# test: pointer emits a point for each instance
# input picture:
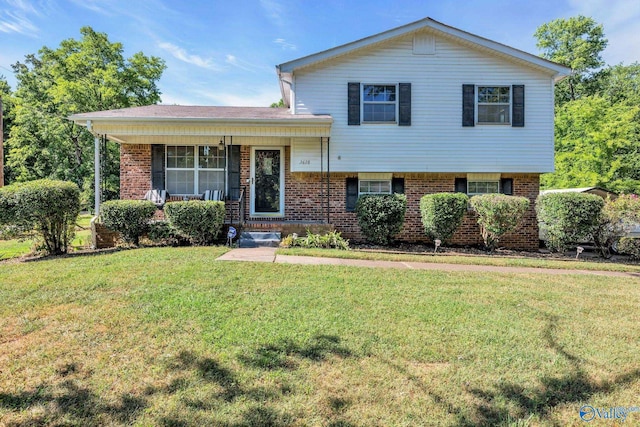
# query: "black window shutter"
(397, 185)
(468, 105)
(352, 194)
(506, 186)
(461, 185)
(517, 106)
(157, 167)
(353, 100)
(234, 172)
(404, 108)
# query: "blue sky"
(224, 52)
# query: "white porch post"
(96, 161)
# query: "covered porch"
(243, 154)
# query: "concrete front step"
(255, 239)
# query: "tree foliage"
(89, 74)
(577, 43)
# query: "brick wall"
(305, 200)
(135, 170)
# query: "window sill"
(492, 124)
(378, 123)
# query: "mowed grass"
(169, 336)
(494, 260)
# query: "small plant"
(332, 239)
(498, 214)
(128, 217)
(629, 246)
(442, 214)
(567, 218)
(381, 216)
(47, 207)
(200, 221)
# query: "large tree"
(577, 43)
(89, 74)
(597, 144)
(7, 104)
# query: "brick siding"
(305, 198)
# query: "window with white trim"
(374, 186)
(379, 103)
(194, 169)
(494, 104)
(482, 187)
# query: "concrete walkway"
(269, 255)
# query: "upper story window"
(494, 104)
(379, 103)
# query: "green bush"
(332, 239)
(618, 217)
(567, 218)
(200, 221)
(128, 217)
(629, 246)
(380, 216)
(498, 214)
(163, 233)
(48, 207)
(442, 214)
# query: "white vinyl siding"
(436, 141)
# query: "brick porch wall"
(135, 170)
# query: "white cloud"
(184, 56)
(244, 65)
(275, 11)
(15, 18)
(620, 21)
(285, 45)
(97, 6)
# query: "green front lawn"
(169, 336)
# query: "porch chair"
(214, 195)
(159, 197)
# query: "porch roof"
(129, 124)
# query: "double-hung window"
(494, 104)
(194, 169)
(379, 103)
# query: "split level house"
(418, 109)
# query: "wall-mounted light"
(221, 145)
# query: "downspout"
(321, 167)
(328, 182)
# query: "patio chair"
(159, 197)
(214, 195)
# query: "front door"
(267, 182)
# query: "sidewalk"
(269, 255)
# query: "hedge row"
(198, 221)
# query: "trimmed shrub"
(128, 217)
(380, 216)
(617, 218)
(200, 221)
(567, 218)
(498, 214)
(442, 214)
(163, 233)
(48, 207)
(629, 246)
(332, 239)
